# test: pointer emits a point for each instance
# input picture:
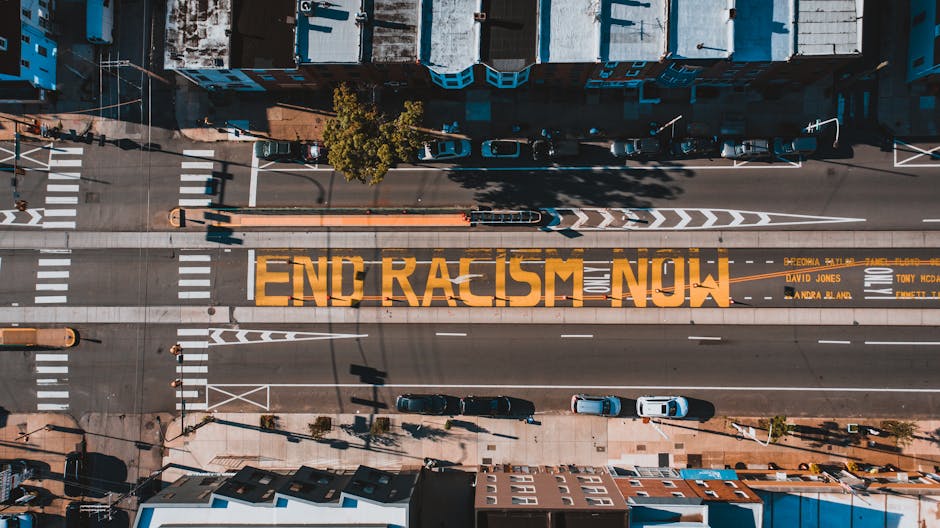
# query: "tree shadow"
(424, 432)
(468, 426)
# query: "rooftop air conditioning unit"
(479, 17)
(306, 7)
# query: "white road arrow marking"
(738, 218)
(608, 218)
(240, 337)
(10, 216)
(582, 218)
(764, 219)
(660, 218)
(710, 216)
(685, 219)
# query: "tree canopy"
(363, 143)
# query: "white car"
(748, 149)
(595, 405)
(662, 407)
(444, 150)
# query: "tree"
(363, 143)
(903, 432)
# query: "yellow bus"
(63, 337)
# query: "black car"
(427, 404)
(73, 476)
(279, 151)
(695, 147)
(485, 406)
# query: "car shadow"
(700, 410)
(627, 408)
(520, 408)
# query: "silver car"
(595, 405)
(662, 407)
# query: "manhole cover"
(641, 447)
(92, 197)
(211, 311)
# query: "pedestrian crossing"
(193, 370)
(195, 272)
(197, 184)
(52, 392)
(52, 276)
(63, 188)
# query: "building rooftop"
(701, 29)
(509, 35)
(829, 27)
(10, 29)
(392, 35)
(197, 34)
(633, 31)
(450, 36)
(381, 486)
(314, 485)
(569, 30)
(251, 485)
(763, 30)
(329, 33)
(263, 35)
(189, 489)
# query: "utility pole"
(813, 127)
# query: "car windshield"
(605, 407)
(672, 408)
(502, 147)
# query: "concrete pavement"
(234, 440)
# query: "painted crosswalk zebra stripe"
(52, 274)
(61, 200)
(196, 178)
(206, 189)
(194, 295)
(192, 331)
(52, 357)
(199, 153)
(193, 406)
(195, 357)
(52, 187)
(55, 262)
(193, 344)
(52, 407)
(52, 287)
(60, 212)
(191, 283)
(58, 225)
(65, 162)
(191, 369)
(52, 394)
(195, 258)
(197, 164)
(194, 202)
(41, 369)
(65, 176)
(50, 299)
(66, 150)
(191, 270)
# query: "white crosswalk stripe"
(69, 159)
(192, 175)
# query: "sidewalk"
(236, 440)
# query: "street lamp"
(813, 127)
(750, 432)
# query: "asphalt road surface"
(829, 371)
(104, 187)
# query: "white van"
(99, 21)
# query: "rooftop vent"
(479, 17)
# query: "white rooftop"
(359, 512)
(330, 34)
(829, 27)
(569, 30)
(701, 29)
(450, 37)
(197, 37)
(633, 31)
(763, 30)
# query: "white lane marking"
(60, 212)
(61, 188)
(199, 153)
(52, 394)
(65, 163)
(196, 178)
(58, 225)
(450, 334)
(61, 200)
(253, 185)
(195, 381)
(768, 262)
(47, 381)
(748, 261)
(192, 331)
(931, 220)
(748, 298)
(55, 262)
(768, 298)
(191, 202)
(52, 370)
(193, 406)
(577, 336)
(67, 150)
(191, 369)
(56, 251)
(52, 407)
(195, 357)
(829, 342)
(52, 274)
(193, 295)
(187, 394)
(52, 357)
(587, 388)
(197, 164)
(188, 270)
(205, 189)
(194, 282)
(251, 275)
(904, 343)
(193, 344)
(50, 299)
(65, 176)
(194, 258)
(704, 338)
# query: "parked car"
(74, 475)
(314, 152)
(75, 517)
(485, 406)
(552, 149)
(662, 407)
(501, 148)
(444, 150)
(800, 146)
(695, 147)
(279, 150)
(427, 404)
(747, 149)
(635, 148)
(595, 405)
(18, 520)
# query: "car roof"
(589, 405)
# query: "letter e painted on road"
(263, 276)
(303, 269)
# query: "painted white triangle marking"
(581, 218)
(738, 218)
(710, 217)
(608, 218)
(267, 336)
(242, 336)
(685, 218)
(660, 218)
(217, 336)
